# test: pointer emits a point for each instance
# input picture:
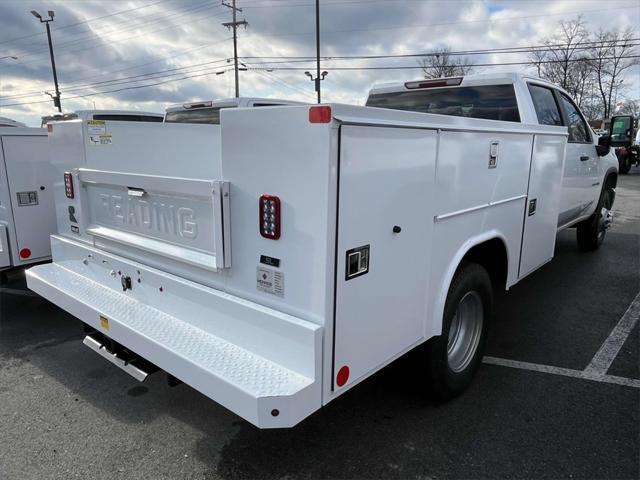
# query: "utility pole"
(234, 25)
(318, 79)
(56, 97)
(319, 76)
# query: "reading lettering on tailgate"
(162, 216)
(178, 218)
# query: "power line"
(135, 87)
(129, 79)
(410, 67)
(486, 51)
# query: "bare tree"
(628, 107)
(442, 64)
(564, 59)
(613, 53)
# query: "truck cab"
(513, 97)
(209, 111)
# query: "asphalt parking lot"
(558, 395)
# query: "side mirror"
(604, 145)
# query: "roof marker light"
(438, 82)
(197, 105)
(320, 114)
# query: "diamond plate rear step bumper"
(260, 389)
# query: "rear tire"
(455, 355)
(590, 233)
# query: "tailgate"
(182, 219)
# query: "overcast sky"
(103, 46)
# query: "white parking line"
(599, 366)
(17, 291)
(567, 372)
(603, 359)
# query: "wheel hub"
(465, 331)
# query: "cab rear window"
(198, 115)
(127, 118)
(491, 102)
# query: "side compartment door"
(543, 202)
(385, 225)
(30, 176)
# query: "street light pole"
(318, 79)
(56, 98)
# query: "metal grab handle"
(584, 158)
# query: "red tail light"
(269, 216)
(49, 127)
(438, 82)
(25, 253)
(68, 184)
(320, 114)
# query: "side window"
(578, 131)
(545, 105)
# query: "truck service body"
(323, 243)
(27, 210)
(27, 214)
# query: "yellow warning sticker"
(96, 127)
(100, 139)
(104, 322)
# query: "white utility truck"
(209, 112)
(325, 241)
(27, 213)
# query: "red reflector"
(343, 376)
(320, 114)
(25, 253)
(269, 216)
(49, 127)
(68, 184)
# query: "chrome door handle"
(584, 158)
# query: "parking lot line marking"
(17, 291)
(567, 372)
(607, 353)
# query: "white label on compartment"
(100, 139)
(270, 281)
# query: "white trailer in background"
(27, 212)
(320, 245)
